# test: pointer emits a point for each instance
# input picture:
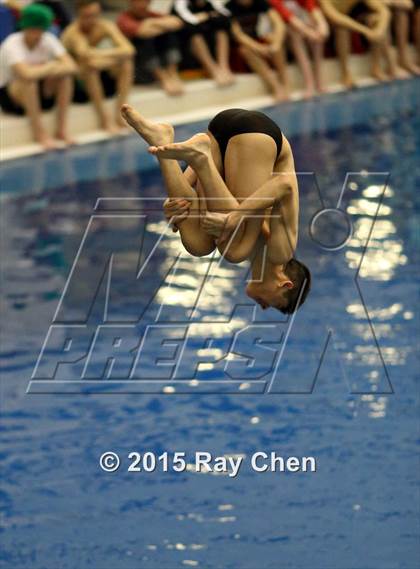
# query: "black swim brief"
(232, 122)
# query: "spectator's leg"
(222, 56)
(298, 46)
(26, 94)
(342, 42)
(318, 63)
(416, 33)
(394, 71)
(62, 88)
(201, 51)
(165, 78)
(125, 78)
(377, 51)
(93, 84)
(260, 66)
(168, 57)
(402, 34)
(172, 70)
(280, 65)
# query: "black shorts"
(232, 122)
(109, 86)
(9, 105)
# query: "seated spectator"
(371, 18)
(401, 11)
(156, 45)
(206, 24)
(105, 58)
(261, 55)
(35, 71)
(307, 27)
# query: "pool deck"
(200, 101)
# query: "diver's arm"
(270, 195)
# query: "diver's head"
(284, 287)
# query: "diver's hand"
(232, 221)
(176, 210)
(213, 223)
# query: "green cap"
(36, 16)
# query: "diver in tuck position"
(239, 193)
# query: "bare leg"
(301, 56)
(63, 98)
(95, 91)
(394, 71)
(280, 65)
(260, 66)
(26, 94)
(318, 60)
(256, 150)
(416, 33)
(172, 71)
(125, 78)
(222, 56)
(376, 56)
(201, 51)
(402, 33)
(166, 81)
(342, 42)
(194, 239)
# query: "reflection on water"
(60, 510)
(385, 252)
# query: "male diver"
(239, 193)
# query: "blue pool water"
(344, 390)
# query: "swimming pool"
(344, 390)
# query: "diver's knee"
(198, 249)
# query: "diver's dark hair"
(300, 275)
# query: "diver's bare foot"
(192, 150)
(155, 134)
